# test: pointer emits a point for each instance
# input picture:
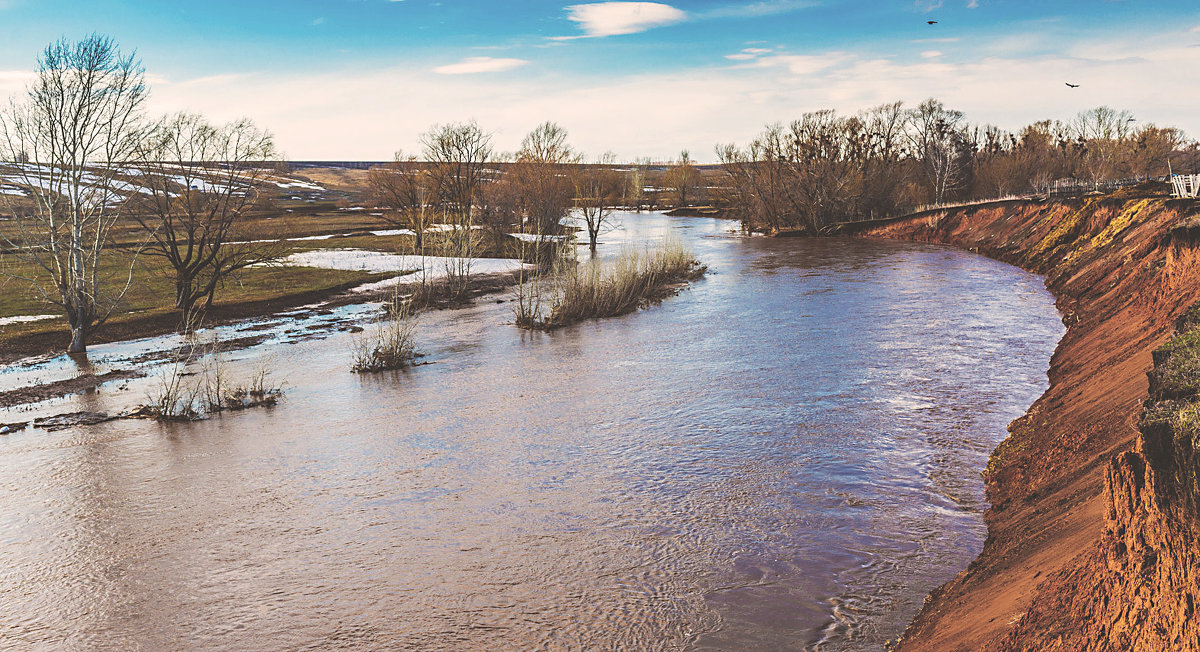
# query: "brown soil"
(1065, 564)
(74, 385)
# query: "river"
(787, 455)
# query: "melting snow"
(21, 319)
(375, 261)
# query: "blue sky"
(358, 79)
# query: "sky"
(361, 79)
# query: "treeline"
(459, 179)
(826, 167)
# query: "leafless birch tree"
(79, 119)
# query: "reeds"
(594, 289)
(188, 396)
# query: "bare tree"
(457, 155)
(634, 192)
(597, 190)
(683, 179)
(939, 141)
(540, 176)
(80, 117)
(402, 189)
(759, 181)
(1102, 137)
(201, 180)
(1152, 146)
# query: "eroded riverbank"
(1123, 270)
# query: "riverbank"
(1123, 269)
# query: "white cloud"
(14, 81)
(927, 6)
(747, 54)
(931, 54)
(474, 65)
(615, 18)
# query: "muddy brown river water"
(785, 456)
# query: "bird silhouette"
(931, 22)
(1072, 85)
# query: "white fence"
(1187, 186)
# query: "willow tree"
(200, 181)
(79, 117)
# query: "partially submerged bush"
(595, 289)
(391, 344)
(188, 396)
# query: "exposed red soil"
(1068, 563)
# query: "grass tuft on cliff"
(1172, 410)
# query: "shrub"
(392, 343)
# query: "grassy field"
(148, 306)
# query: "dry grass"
(391, 344)
(594, 289)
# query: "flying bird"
(1072, 85)
(931, 22)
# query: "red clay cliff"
(1092, 533)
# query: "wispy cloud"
(616, 18)
(795, 64)
(747, 54)
(756, 9)
(474, 65)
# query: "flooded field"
(785, 456)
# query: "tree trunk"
(79, 333)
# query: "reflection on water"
(786, 455)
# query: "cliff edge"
(1092, 532)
